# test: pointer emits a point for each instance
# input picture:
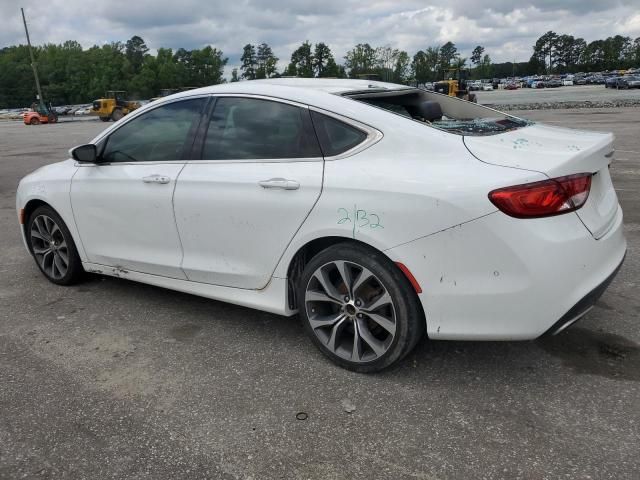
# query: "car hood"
(551, 150)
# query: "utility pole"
(33, 62)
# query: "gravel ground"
(578, 96)
(113, 379)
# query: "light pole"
(33, 62)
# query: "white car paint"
(418, 194)
(103, 199)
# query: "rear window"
(444, 112)
(336, 137)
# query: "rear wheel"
(358, 308)
(105, 119)
(34, 121)
(52, 247)
(117, 114)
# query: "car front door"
(239, 206)
(123, 204)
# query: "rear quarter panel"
(414, 182)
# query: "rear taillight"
(545, 198)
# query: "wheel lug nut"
(358, 303)
(346, 299)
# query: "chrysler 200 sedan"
(378, 212)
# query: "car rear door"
(123, 205)
(258, 177)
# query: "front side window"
(251, 128)
(158, 135)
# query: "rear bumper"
(500, 278)
(581, 308)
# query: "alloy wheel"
(49, 247)
(350, 311)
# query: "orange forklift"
(40, 113)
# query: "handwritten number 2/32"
(360, 217)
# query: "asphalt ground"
(113, 379)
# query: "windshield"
(443, 112)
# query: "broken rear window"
(443, 112)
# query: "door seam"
(175, 220)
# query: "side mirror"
(85, 153)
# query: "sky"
(506, 28)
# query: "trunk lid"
(556, 152)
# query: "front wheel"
(52, 247)
(105, 119)
(358, 308)
(34, 121)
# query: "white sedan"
(377, 212)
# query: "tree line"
(554, 53)
(71, 75)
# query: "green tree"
(448, 53)
(426, 64)
(249, 62)
(135, 50)
(546, 48)
(360, 60)
(266, 62)
(324, 64)
(476, 55)
(301, 64)
(401, 69)
(386, 58)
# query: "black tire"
(408, 313)
(117, 114)
(34, 121)
(105, 119)
(74, 271)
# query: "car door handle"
(156, 179)
(281, 183)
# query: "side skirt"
(271, 299)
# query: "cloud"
(506, 29)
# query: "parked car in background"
(487, 87)
(474, 85)
(84, 110)
(62, 110)
(611, 81)
(553, 83)
(627, 82)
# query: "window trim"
(103, 138)
(198, 145)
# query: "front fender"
(51, 185)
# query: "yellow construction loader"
(113, 106)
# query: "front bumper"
(500, 278)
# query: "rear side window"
(250, 128)
(158, 135)
(336, 137)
